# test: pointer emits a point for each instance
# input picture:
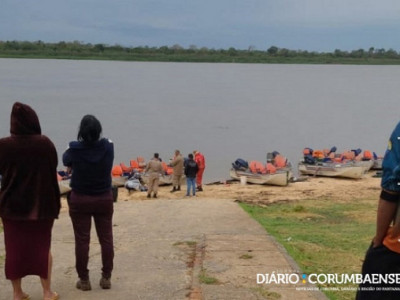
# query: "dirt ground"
(313, 187)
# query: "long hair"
(89, 130)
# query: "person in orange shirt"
(201, 162)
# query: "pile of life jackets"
(275, 161)
(329, 155)
(136, 166)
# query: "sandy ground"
(151, 235)
(313, 187)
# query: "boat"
(64, 186)
(377, 165)
(281, 177)
(332, 169)
(118, 181)
(365, 164)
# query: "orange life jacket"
(116, 171)
(125, 169)
(270, 168)
(134, 164)
(318, 154)
(167, 170)
(349, 155)
(279, 161)
(367, 155)
(141, 162)
(257, 167)
(359, 157)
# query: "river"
(226, 111)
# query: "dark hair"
(156, 155)
(190, 155)
(89, 130)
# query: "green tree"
(272, 50)
(232, 51)
(99, 47)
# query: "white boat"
(331, 169)
(164, 179)
(64, 186)
(377, 164)
(118, 180)
(365, 164)
(281, 177)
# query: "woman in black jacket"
(90, 159)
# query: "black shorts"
(380, 260)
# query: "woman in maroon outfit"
(29, 200)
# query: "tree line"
(80, 50)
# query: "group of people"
(30, 199)
(30, 202)
(192, 167)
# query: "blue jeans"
(191, 183)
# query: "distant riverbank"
(200, 58)
(176, 53)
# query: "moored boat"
(332, 169)
(164, 179)
(377, 165)
(64, 186)
(280, 178)
(118, 180)
(365, 164)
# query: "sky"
(312, 25)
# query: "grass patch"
(187, 243)
(265, 293)
(322, 236)
(206, 279)
(246, 256)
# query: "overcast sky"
(313, 25)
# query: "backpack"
(240, 164)
(309, 159)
